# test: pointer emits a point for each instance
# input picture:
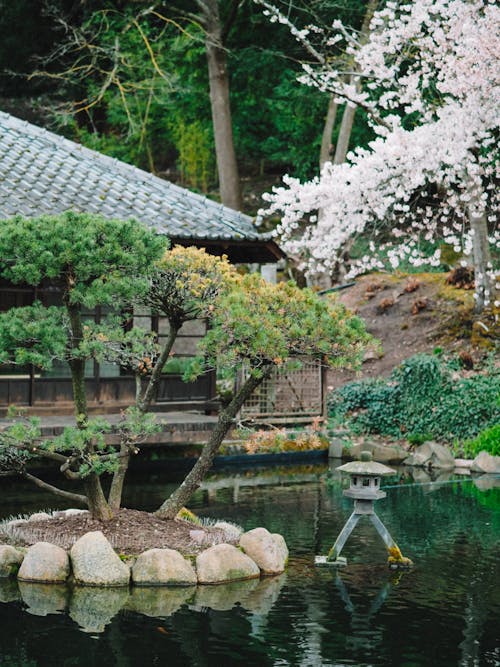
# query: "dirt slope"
(409, 314)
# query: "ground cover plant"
(424, 398)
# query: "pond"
(445, 611)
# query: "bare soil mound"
(129, 532)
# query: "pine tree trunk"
(143, 402)
(97, 504)
(118, 481)
(227, 167)
(192, 481)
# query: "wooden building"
(44, 173)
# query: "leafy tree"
(185, 286)
(256, 327)
(431, 91)
(93, 261)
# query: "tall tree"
(257, 327)
(432, 82)
(94, 261)
(215, 39)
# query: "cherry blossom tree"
(429, 80)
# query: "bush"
(488, 441)
(422, 396)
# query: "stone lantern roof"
(366, 467)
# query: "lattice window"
(293, 393)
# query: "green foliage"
(488, 441)
(422, 397)
(196, 164)
(186, 283)
(258, 324)
(33, 335)
(98, 261)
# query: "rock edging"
(91, 561)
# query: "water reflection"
(443, 612)
(92, 609)
(44, 599)
(159, 601)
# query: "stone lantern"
(365, 490)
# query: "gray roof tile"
(42, 172)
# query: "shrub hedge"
(424, 395)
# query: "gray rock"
(270, 553)
(485, 462)
(224, 563)
(62, 514)
(163, 567)
(10, 560)
(381, 453)
(39, 516)
(431, 455)
(463, 463)
(95, 563)
(231, 531)
(44, 599)
(159, 601)
(93, 608)
(45, 562)
(335, 448)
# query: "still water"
(445, 611)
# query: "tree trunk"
(349, 112)
(143, 402)
(485, 288)
(227, 167)
(193, 479)
(116, 489)
(325, 153)
(96, 501)
(344, 134)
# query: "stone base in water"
(322, 561)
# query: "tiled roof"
(44, 173)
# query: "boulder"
(431, 455)
(10, 560)
(485, 462)
(163, 567)
(96, 564)
(223, 563)
(231, 531)
(45, 563)
(381, 453)
(268, 551)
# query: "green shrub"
(488, 441)
(422, 397)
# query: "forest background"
(130, 79)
